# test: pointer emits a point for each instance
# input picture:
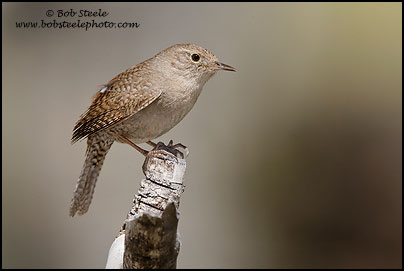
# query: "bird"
(139, 105)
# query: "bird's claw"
(179, 145)
(162, 151)
(173, 149)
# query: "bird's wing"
(114, 103)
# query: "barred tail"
(98, 146)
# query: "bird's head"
(191, 62)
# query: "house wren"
(139, 105)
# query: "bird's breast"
(160, 116)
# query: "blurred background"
(295, 159)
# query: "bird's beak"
(225, 67)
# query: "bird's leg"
(170, 148)
(139, 149)
(162, 146)
(160, 150)
(151, 143)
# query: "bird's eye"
(195, 57)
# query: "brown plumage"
(116, 103)
(98, 146)
(140, 104)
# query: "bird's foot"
(161, 151)
(170, 148)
